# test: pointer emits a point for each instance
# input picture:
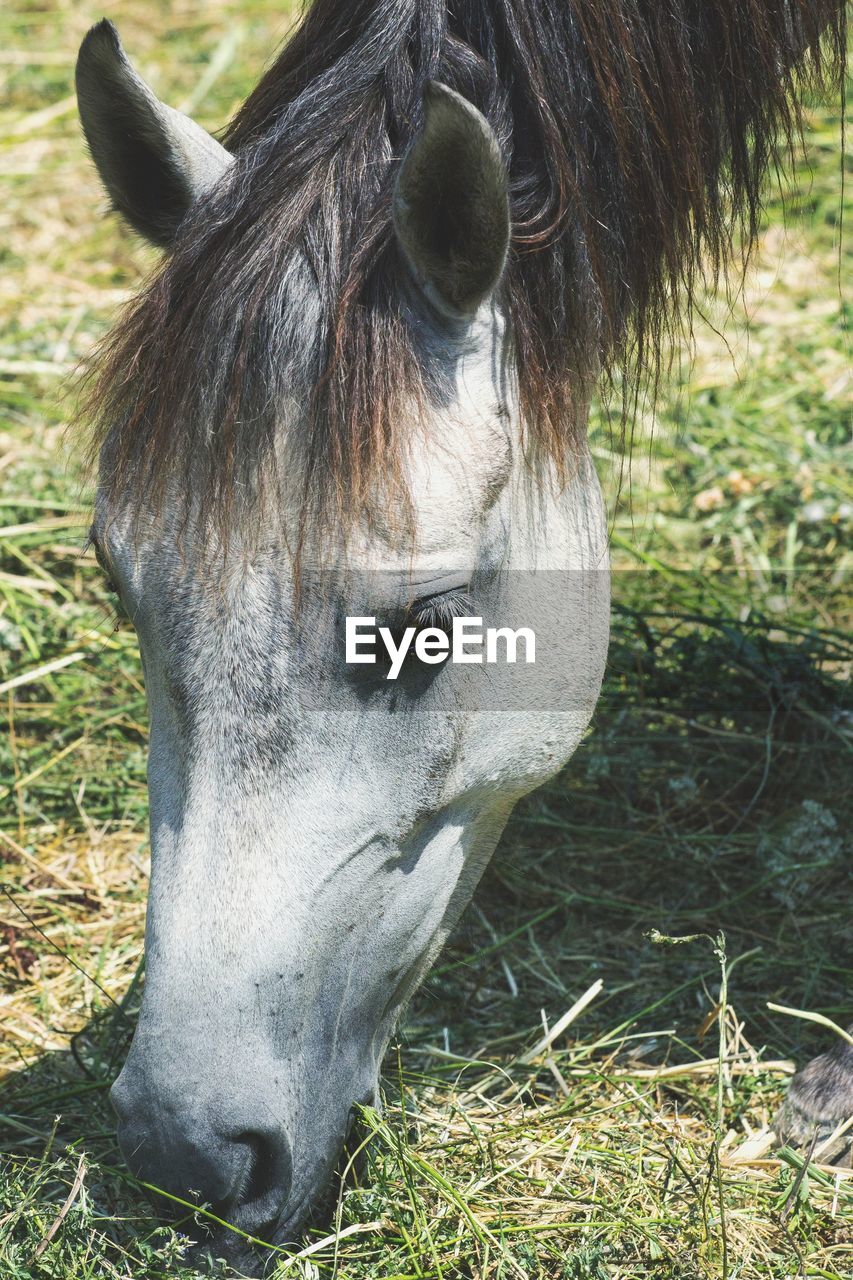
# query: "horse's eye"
(438, 612)
(103, 564)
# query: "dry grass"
(713, 793)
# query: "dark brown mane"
(637, 135)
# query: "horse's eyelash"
(439, 611)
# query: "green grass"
(712, 794)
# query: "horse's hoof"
(819, 1102)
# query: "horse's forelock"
(637, 134)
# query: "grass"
(712, 795)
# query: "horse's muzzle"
(208, 1153)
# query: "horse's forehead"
(457, 472)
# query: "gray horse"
(357, 388)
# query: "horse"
(357, 387)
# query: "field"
(711, 797)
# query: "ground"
(711, 797)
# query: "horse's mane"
(637, 135)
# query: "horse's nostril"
(261, 1168)
(265, 1184)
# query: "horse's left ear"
(154, 161)
(451, 204)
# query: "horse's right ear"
(153, 161)
(451, 204)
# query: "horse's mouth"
(245, 1256)
(250, 1256)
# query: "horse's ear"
(451, 204)
(153, 161)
